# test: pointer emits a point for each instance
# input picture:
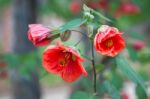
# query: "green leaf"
(140, 93)
(94, 97)
(83, 95)
(132, 53)
(72, 24)
(127, 70)
(99, 67)
(116, 79)
(69, 25)
(138, 2)
(80, 95)
(113, 92)
(12, 60)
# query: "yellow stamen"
(62, 62)
(66, 58)
(73, 57)
(109, 43)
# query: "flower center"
(66, 58)
(109, 43)
(62, 62)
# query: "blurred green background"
(21, 62)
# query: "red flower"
(127, 8)
(64, 61)
(75, 7)
(38, 34)
(108, 41)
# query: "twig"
(90, 32)
(80, 33)
(93, 67)
(78, 42)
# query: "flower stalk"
(90, 32)
(93, 67)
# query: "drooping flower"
(38, 34)
(108, 41)
(64, 61)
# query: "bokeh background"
(21, 73)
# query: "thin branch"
(93, 67)
(78, 41)
(80, 33)
(90, 32)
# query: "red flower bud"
(138, 45)
(64, 61)
(38, 34)
(108, 41)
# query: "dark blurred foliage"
(4, 3)
(59, 7)
(54, 6)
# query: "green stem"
(90, 33)
(93, 67)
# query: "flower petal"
(73, 71)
